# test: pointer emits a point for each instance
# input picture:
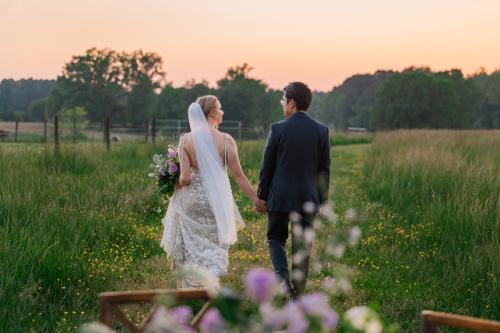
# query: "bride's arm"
(238, 174)
(185, 176)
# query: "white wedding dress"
(190, 235)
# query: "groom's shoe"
(290, 292)
(293, 294)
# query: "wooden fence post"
(147, 131)
(74, 130)
(56, 132)
(153, 131)
(17, 128)
(45, 130)
(107, 133)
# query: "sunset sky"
(321, 42)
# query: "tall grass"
(435, 241)
(341, 139)
(71, 224)
(82, 222)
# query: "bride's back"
(189, 149)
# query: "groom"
(293, 183)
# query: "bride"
(202, 217)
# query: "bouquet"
(165, 171)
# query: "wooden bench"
(110, 302)
(430, 321)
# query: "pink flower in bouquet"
(172, 169)
(171, 153)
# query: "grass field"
(83, 222)
(433, 237)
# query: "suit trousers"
(277, 235)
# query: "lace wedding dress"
(190, 233)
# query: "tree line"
(131, 89)
(414, 98)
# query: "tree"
(351, 103)
(174, 102)
(36, 110)
(419, 98)
(75, 117)
(143, 76)
(54, 103)
(489, 87)
(7, 88)
(96, 81)
(18, 95)
(246, 99)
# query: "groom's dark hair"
(300, 93)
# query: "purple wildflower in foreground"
(274, 318)
(172, 320)
(212, 322)
(313, 303)
(316, 304)
(181, 314)
(297, 322)
(261, 284)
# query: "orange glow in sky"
(321, 42)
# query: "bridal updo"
(207, 103)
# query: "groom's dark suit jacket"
(296, 165)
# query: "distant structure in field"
(356, 130)
(4, 134)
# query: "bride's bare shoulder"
(186, 137)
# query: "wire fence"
(158, 129)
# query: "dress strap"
(181, 148)
(226, 150)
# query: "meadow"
(432, 239)
(83, 221)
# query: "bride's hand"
(177, 185)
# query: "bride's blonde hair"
(207, 103)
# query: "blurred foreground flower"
(261, 285)
(316, 305)
(212, 322)
(94, 328)
(261, 310)
(174, 320)
(199, 277)
(364, 319)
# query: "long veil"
(213, 175)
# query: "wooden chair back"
(430, 321)
(110, 302)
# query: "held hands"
(260, 206)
